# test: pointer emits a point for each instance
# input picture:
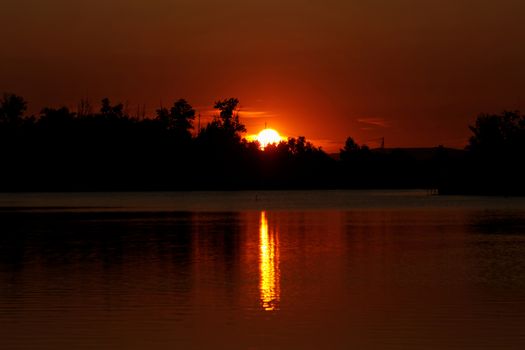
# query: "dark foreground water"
(261, 270)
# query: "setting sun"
(268, 136)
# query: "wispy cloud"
(378, 122)
(246, 113)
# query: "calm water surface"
(261, 270)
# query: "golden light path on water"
(270, 284)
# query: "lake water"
(261, 270)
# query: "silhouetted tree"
(59, 118)
(351, 147)
(229, 120)
(496, 134)
(220, 141)
(163, 117)
(12, 108)
(300, 146)
(178, 119)
(495, 157)
(107, 110)
(182, 115)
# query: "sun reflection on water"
(269, 286)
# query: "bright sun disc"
(268, 136)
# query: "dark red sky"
(416, 72)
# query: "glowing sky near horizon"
(415, 72)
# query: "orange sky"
(416, 72)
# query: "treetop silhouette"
(12, 108)
(229, 115)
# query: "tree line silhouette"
(109, 150)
